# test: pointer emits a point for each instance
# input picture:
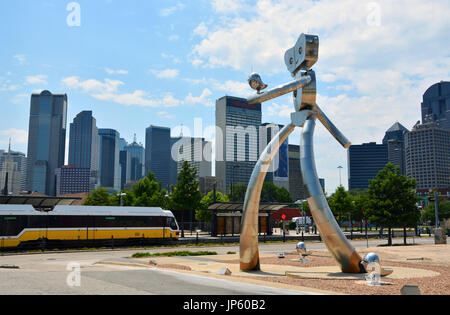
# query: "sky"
(138, 63)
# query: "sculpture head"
(256, 82)
(303, 55)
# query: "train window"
(172, 224)
(12, 226)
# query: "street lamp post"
(340, 177)
(120, 197)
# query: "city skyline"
(169, 62)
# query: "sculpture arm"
(339, 136)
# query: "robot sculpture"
(299, 61)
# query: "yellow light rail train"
(21, 226)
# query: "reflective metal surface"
(256, 82)
(332, 128)
(249, 254)
(301, 249)
(373, 258)
(331, 234)
(299, 61)
(279, 90)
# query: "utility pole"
(340, 178)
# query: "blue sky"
(137, 63)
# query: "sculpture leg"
(249, 254)
(332, 235)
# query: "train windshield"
(172, 223)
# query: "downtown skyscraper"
(46, 141)
(110, 170)
(237, 140)
(158, 154)
(84, 146)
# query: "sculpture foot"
(253, 265)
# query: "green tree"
(428, 213)
(203, 214)
(359, 212)
(148, 193)
(283, 195)
(238, 195)
(98, 197)
(392, 200)
(127, 201)
(186, 195)
(341, 204)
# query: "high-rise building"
(109, 171)
(136, 151)
(158, 154)
(125, 167)
(364, 163)
(173, 168)
(427, 149)
(71, 179)
(10, 175)
(296, 188)
(46, 141)
(395, 141)
(84, 146)
(278, 174)
(436, 104)
(122, 144)
(237, 139)
(21, 161)
(197, 152)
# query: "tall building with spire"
(394, 139)
(137, 153)
(10, 174)
(46, 141)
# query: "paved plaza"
(115, 272)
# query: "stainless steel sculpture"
(301, 250)
(299, 61)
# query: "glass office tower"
(237, 140)
(364, 163)
(46, 141)
(109, 171)
(158, 154)
(436, 104)
(84, 146)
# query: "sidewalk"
(292, 236)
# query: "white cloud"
(174, 59)
(165, 115)
(202, 99)
(171, 10)
(18, 136)
(166, 74)
(21, 59)
(109, 91)
(227, 6)
(92, 85)
(110, 71)
(230, 87)
(36, 79)
(260, 39)
(201, 30)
